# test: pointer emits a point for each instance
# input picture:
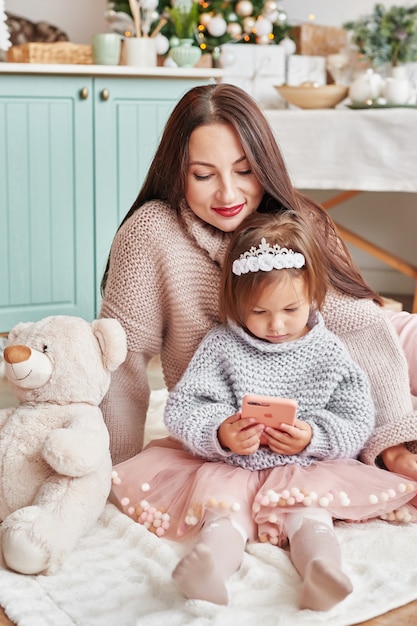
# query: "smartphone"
(269, 410)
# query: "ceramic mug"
(397, 88)
(140, 51)
(106, 48)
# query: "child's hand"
(239, 435)
(289, 439)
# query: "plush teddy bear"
(55, 464)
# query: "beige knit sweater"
(163, 287)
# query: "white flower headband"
(266, 258)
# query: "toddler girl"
(221, 486)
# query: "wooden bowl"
(313, 95)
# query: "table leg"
(376, 251)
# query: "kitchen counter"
(121, 71)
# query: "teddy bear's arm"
(79, 448)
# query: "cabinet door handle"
(105, 94)
(84, 93)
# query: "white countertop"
(109, 70)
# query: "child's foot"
(324, 586)
(197, 578)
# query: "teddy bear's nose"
(16, 354)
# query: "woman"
(217, 162)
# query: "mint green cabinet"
(74, 151)
(46, 199)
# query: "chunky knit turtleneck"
(332, 393)
(163, 287)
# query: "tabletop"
(343, 148)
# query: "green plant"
(185, 16)
(387, 35)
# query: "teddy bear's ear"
(112, 339)
(18, 329)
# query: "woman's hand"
(400, 460)
(289, 439)
(241, 436)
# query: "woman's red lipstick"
(229, 211)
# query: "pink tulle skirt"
(173, 493)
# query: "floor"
(404, 616)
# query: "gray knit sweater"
(163, 287)
(332, 392)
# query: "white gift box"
(303, 67)
(256, 68)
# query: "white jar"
(397, 88)
(366, 87)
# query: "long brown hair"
(287, 229)
(227, 104)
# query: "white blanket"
(120, 575)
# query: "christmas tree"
(246, 21)
(223, 21)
